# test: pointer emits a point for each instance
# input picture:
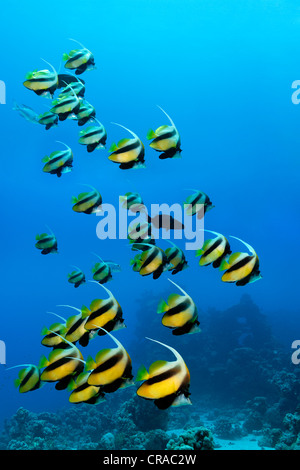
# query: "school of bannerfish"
(166, 383)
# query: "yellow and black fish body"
(82, 392)
(112, 368)
(58, 162)
(214, 251)
(52, 340)
(63, 363)
(94, 137)
(102, 273)
(87, 203)
(199, 198)
(77, 278)
(66, 106)
(48, 120)
(241, 268)
(85, 113)
(47, 243)
(79, 60)
(167, 383)
(29, 379)
(140, 233)
(152, 260)
(103, 314)
(176, 258)
(76, 331)
(43, 82)
(166, 140)
(77, 87)
(180, 313)
(129, 153)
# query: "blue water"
(223, 70)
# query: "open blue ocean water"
(223, 70)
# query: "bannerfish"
(199, 204)
(166, 140)
(87, 203)
(131, 201)
(241, 268)
(129, 153)
(26, 112)
(47, 243)
(79, 60)
(66, 107)
(85, 113)
(62, 364)
(140, 233)
(152, 260)
(59, 162)
(52, 340)
(46, 82)
(94, 137)
(78, 87)
(167, 383)
(82, 392)
(29, 378)
(76, 277)
(103, 313)
(75, 328)
(48, 119)
(102, 272)
(176, 258)
(111, 368)
(180, 313)
(214, 250)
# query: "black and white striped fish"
(129, 153)
(214, 250)
(79, 60)
(241, 268)
(94, 137)
(85, 113)
(48, 120)
(176, 258)
(166, 140)
(166, 383)
(77, 87)
(87, 203)
(76, 277)
(199, 203)
(59, 162)
(66, 107)
(180, 313)
(152, 260)
(47, 243)
(102, 272)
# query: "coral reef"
(193, 439)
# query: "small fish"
(52, 340)
(45, 82)
(176, 258)
(140, 233)
(47, 243)
(180, 313)
(76, 277)
(197, 199)
(82, 392)
(29, 378)
(94, 137)
(166, 140)
(214, 250)
(132, 201)
(87, 203)
(59, 162)
(75, 328)
(79, 60)
(77, 87)
(111, 368)
(62, 364)
(102, 272)
(66, 106)
(48, 120)
(152, 260)
(241, 268)
(167, 383)
(103, 313)
(85, 113)
(26, 112)
(128, 152)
